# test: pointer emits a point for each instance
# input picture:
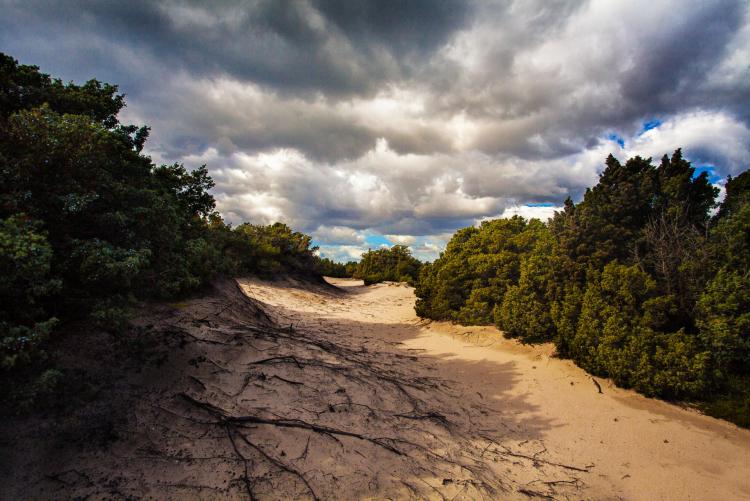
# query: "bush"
(471, 277)
(395, 264)
(329, 268)
(724, 321)
(524, 311)
(25, 259)
(616, 337)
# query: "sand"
(639, 448)
(300, 391)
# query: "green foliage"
(23, 87)
(25, 258)
(605, 225)
(471, 277)
(329, 268)
(723, 308)
(681, 195)
(730, 236)
(733, 403)
(273, 249)
(565, 313)
(524, 311)
(351, 268)
(395, 264)
(616, 336)
(117, 223)
(724, 320)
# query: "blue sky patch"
(617, 138)
(713, 177)
(377, 240)
(544, 204)
(650, 124)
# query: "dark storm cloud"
(410, 27)
(324, 46)
(296, 49)
(669, 70)
(605, 70)
(674, 71)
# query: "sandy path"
(640, 448)
(289, 390)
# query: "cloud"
(407, 119)
(338, 235)
(402, 239)
(298, 46)
(543, 212)
(342, 253)
(706, 138)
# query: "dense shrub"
(616, 336)
(524, 310)
(478, 265)
(329, 268)
(395, 264)
(25, 258)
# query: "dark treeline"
(637, 282)
(330, 268)
(394, 264)
(88, 224)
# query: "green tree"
(617, 337)
(395, 264)
(329, 268)
(724, 321)
(88, 223)
(478, 265)
(25, 259)
(525, 309)
(609, 219)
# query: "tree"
(395, 264)
(330, 268)
(23, 87)
(617, 337)
(724, 321)
(525, 308)
(681, 196)
(88, 224)
(636, 282)
(471, 277)
(25, 259)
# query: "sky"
(367, 123)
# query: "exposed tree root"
(301, 411)
(224, 418)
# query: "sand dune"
(633, 447)
(295, 391)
